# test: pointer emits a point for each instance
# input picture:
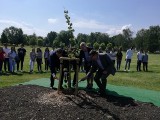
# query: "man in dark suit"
(103, 66)
(55, 64)
(84, 53)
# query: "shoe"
(73, 84)
(90, 86)
(61, 88)
(53, 88)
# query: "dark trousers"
(128, 62)
(52, 80)
(118, 64)
(145, 66)
(39, 64)
(1, 64)
(46, 63)
(6, 62)
(139, 65)
(101, 81)
(20, 62)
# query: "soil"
(30, 102)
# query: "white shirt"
(112, 55)
(139, 56)
(6, 50)
(129, 54)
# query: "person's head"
(22, 45)
(13, 48)
(145, 51)
(141, 50)
(5, 45)
(59, 52)
(93, 55)
(33, 49)
(38, 50)
(83, 46)
(47, 49)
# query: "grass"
(146, 80)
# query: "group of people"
(141, 58)
(94, 62)
(100, 63)
(13, 59)
(10, 57)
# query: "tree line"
(147, 39)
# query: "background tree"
(128, 40)
(153, 41)
(50, 38)
(103, 46)
(56, 43)
(40, 42)
(82, 38)
(4, 38)
(118, 40)
(33, 40)
(64, 37)
(13, 35)
(148, 39)
(96, 45)
(109, 46)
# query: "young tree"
(70, 29)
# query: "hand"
(105, 72)
(54, 76)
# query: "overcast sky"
(107, 16)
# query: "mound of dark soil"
(28, 102)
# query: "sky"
(106, 16)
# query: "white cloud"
(89, 24)
(117, 30)
(94, 25)
(27, 28)
(52, 21)
(126, 26)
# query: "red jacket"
(2, 56)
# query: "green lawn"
(147, 80)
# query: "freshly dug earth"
(28, 102)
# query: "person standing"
(54, 65)
(2, 57)
(21, 55)
(12, 59)
(39, 59)
(84, 54)
(145, 61)
(46, 58)
(119, 56)
(129, 55)
(32, 59)
(139, 60)
(103, 66)
(6, 60)
(112, 55)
